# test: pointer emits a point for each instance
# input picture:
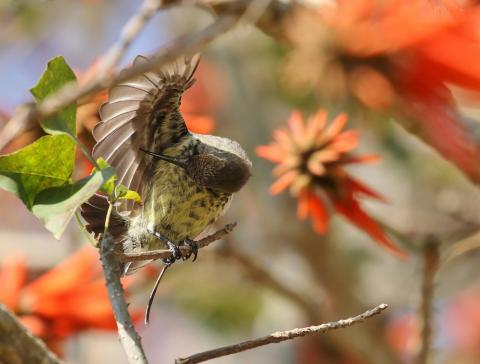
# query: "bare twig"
(271, 21)
(254, 11)
(18, 345)
(71, 92)
(267, 15)
(459, 249)
(184, 249)
(130, 31)
(356, 343)
(129, 338)
(431, 259)
(280, 336)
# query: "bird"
(186, 180)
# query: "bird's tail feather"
(94, 211)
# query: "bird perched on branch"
(185, 180)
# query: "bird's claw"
(193, 249)
(176, 253)
(174, 249)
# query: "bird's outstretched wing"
(142, 113)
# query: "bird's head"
(221, 170)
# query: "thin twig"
(129, 338)
(18, 345)
(254, 11)
(280, 336)
(129, 33)
(350, 341)
(431, 260)
(71, 92)
(184, 249)
(228, 11)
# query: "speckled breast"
(176, 207)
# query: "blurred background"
(274, 271)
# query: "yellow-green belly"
(176, 207)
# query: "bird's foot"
(176, 253)
(174, 249)
(193, 249)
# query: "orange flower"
(63, 301)
(396, 56)
(310, 160)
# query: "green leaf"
(46, 163)
(122, 193)
(109, 186)
(57, 74)
(56, 206)
(119, 192)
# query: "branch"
(280, 336)
(270, 21)
(129, 338)
(184, 249)
(130, 31)
(431, 261)
(18, 345)
(69, 93)
(353, 342)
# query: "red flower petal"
(77, 269)
(13, 273)
(450, 53)
(366, 158)
(350, 208)
(316, 124)
(303, 205)
(36, 325)
(335, 127)
(440, 125)
(345, 141)
(271, 152)
(373, 29)
(319, 214)
(282, 183)
(357, 187)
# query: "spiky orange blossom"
(65, 300)
(310, 160)
(399, 57)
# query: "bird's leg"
(176, 253)
(193, 249)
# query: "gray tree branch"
(279, 336)
(129, 338)
(129, 33)
(185, 250)
(68, 94)
(431, 263)
(18, 345)
(269, 20)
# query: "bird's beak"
(180, 162)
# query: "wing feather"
(112, 109)
(103, 130)
(114, 143)
(142, 113)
